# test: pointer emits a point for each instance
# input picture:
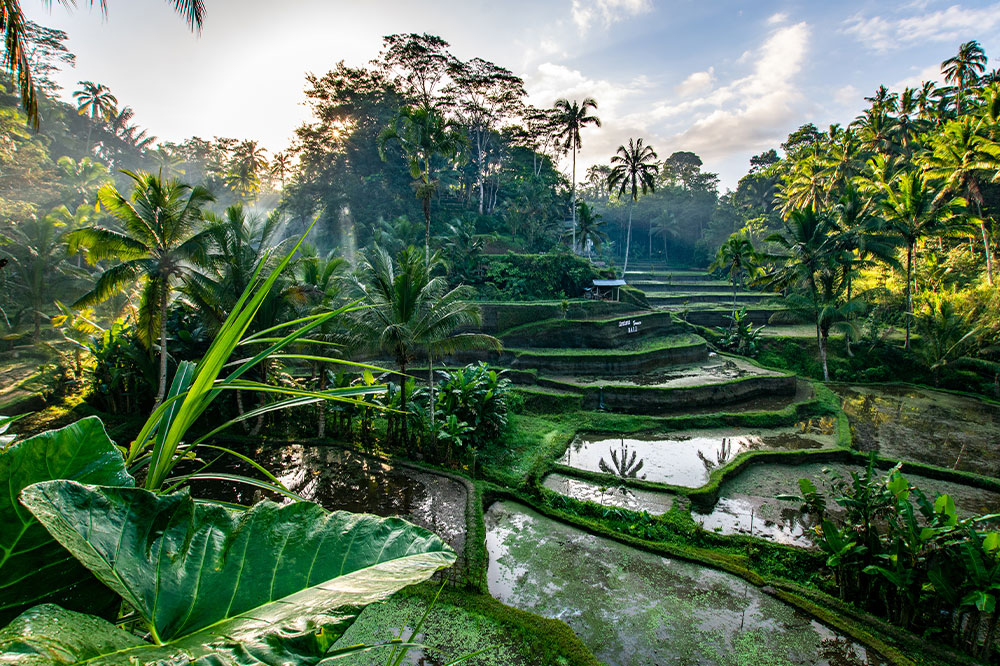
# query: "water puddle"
(343, 480)
(747, 503)
(925, 426)
(635, 608)
(716, 370)
(687, 458)
(623, 497)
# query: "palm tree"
(423, 133)
(632, 169)
(588, 227)
(807, 260)
(409, 311)
(568, 119)
(963, 68)
(961, 155)
(82, 178)
(245, 168)
(169, 164)
(95, 100)
(16, 53)
(913, 209)
(159, 244)
(805, 187)
(860, 242)
(281, 166)
(38, 268)
(738, 258)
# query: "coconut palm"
(424, 134)
(37, 267)
(805, 187)
(159, 244)
(95, 100)
(913, 209)
(589, 228)
(739, 259)
(806, 259)
(169, 164)
(410, 311)
(961, 155)
(568, 118)
(245, 168)
(16, 52)
(632, 169)
(964, 68)
(281, 166)
(81, 179)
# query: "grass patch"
(462, 623)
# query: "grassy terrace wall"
(686, 348)
(657, 400)
(593, 333)
(502, 316)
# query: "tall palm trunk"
(427, 230)
(628, 239)
(402, 403)
(163, 348)
(909, 292)
(986, 244)
(573, 202)
(430, 386)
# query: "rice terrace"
(566, 333)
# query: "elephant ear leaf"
(34, 568)
(276, 584)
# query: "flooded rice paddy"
(623, 497)
(925, 426)
(687, 458)
(636, 608)
(748, 504)
(344, 480)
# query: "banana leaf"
(34, 568)
(277, 584)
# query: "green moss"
(461, 623)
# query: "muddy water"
(925, 426)
(633, 499)
(339, 479)
(747, 503)
(687, 458)
(635, 608)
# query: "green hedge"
(520, 277)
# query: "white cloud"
(775, 19)
(953, 24)
(928, 73)
(848, 96)
(587, 12)
(753, 112)
(695, 83)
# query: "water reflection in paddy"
(925, 426)
(687, 458)
(633, 499)
(632, 607)
(339, 479)
(747, 503)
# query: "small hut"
(608, 290)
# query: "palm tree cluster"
(911, 180)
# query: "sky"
(726, 79)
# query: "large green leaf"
(33, 567)
(273, 585)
